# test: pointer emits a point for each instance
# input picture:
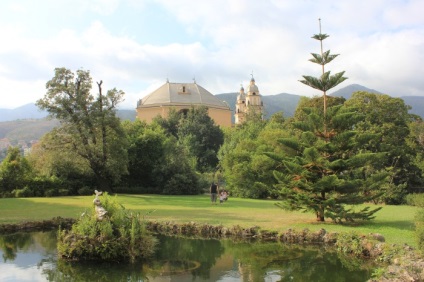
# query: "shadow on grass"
(199, 201)
(395, 224)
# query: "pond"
(33, 257)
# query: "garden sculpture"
(100, 211)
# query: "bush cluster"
(120, 236)
(419, 229)
(415, 200)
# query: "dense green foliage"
(89, 127)
(416, 142)
(120, 236)
(245, 168)
(419, 229)
(326, 170)
(158, 163)
(387, 118)
(197, 134)
(15, 172)
(416, 200)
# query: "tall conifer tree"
(326, 81)
(324, 168)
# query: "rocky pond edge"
(405, 264)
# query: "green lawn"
(394, 222)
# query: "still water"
(33, 257)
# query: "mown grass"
(396, 223)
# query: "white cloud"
(380, 46)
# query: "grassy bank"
(394, 222)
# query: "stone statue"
(100, 211)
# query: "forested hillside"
(28, 129)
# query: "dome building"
(182, 96)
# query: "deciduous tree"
(15, 172)
(89, 125)
(388, 119)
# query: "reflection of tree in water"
(291, 263)
(205, 252)
(11, 243)
(23, 241)
(92, 271)
(180, 250)
(255, 260)
(46, 239)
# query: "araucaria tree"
(89, 126)
(326, 81)
(324, 167)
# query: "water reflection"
(32, 257)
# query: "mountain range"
(29, 123)
(287, 103)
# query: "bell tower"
(249, 103)
(240, 106)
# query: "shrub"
(419, 229)
(415, 200)
(349, 243)
(51, 193)
(182, 184)
(45, 186)
(63, 192)
(23, 193)
(120, 236)
(85, 191)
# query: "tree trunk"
(320, 211)
(320, 215)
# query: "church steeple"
(239, 115)
(249, 102)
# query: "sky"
(137, 45)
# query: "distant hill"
(346, 92)
(24, 128)
(28, 111)
(31, 111)
(415, 102)
(282, 102)
(29, 123)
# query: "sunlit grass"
(396, 223)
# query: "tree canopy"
(326, 173)
(89, 125)
(14, 171)
(197, 133)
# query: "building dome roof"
(181, 94)
(252, 88)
